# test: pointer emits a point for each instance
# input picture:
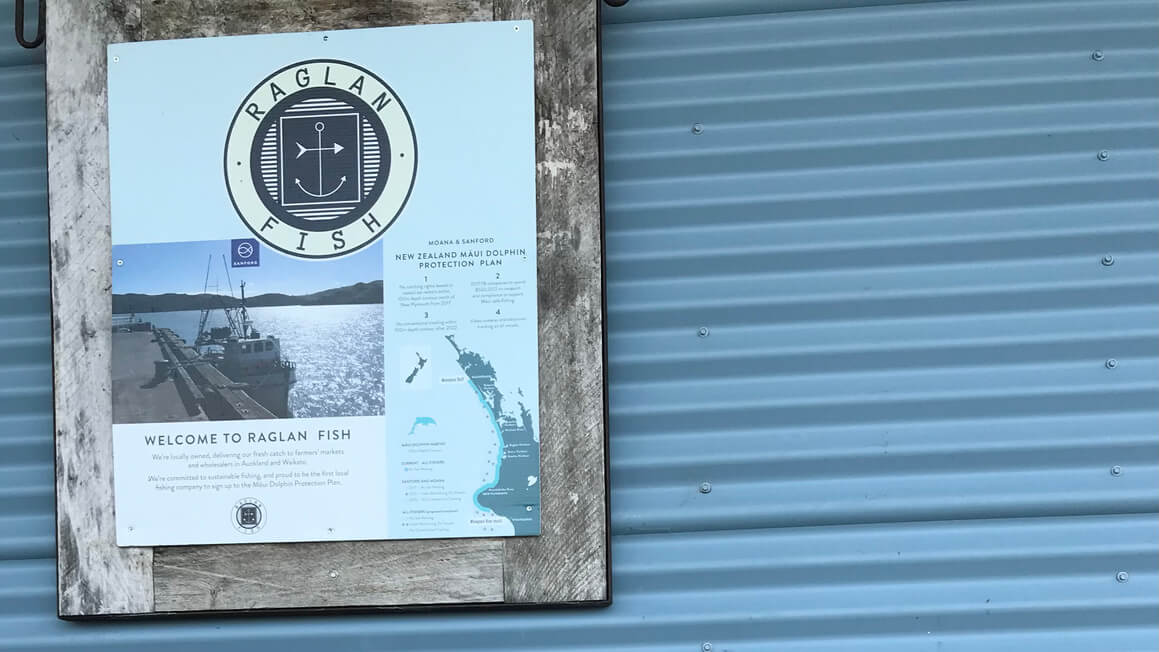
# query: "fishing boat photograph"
(224, 330)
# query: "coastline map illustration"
(512, 494)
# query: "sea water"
(337, 350)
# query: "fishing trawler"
(245, 356)
(229, 372)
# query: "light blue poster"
(324, 286)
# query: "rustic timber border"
(567, 565)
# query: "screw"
(1112, 363)
(697, 128)
(1108, 260)
(116, 59)
(705, 487)
(1116, 470)
(1104, 155)
(130, 528)
(517, 28)
(120, 262)
(706, 646)
(1122, 576)
(702, 331)
(1097, 55)
(333, 575)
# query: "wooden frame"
(567, 565)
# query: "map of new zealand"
(514, 493)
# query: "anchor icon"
(335, 148)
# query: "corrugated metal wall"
(891, 229)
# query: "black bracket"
(39, 25)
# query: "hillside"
(359, 293)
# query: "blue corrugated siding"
(26, 499)
(892, 226)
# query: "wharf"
(147, 390)
(138, 397)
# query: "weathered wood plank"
(360, 573)
(94, 575)
(568, 562)
(192, 18)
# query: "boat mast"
(245, 316)
(205, 310)
(234, 327)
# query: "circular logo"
(320, 159)
(249, 515)
(245, 250)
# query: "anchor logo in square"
(320, 159)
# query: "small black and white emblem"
(249, 515)
(320, 159)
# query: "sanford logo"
(320, 159)
(244, 253)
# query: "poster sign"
(324, 286)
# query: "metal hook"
(39, 24)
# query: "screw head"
(702, 331)
(697, 128)
(1116, 470)
(1108, 260)
(1122, 576)
(706, 646)
(1104, 155)
(333, 574)
(705, 487)
(120, 261)
(1097, 55)
(1112, 363)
